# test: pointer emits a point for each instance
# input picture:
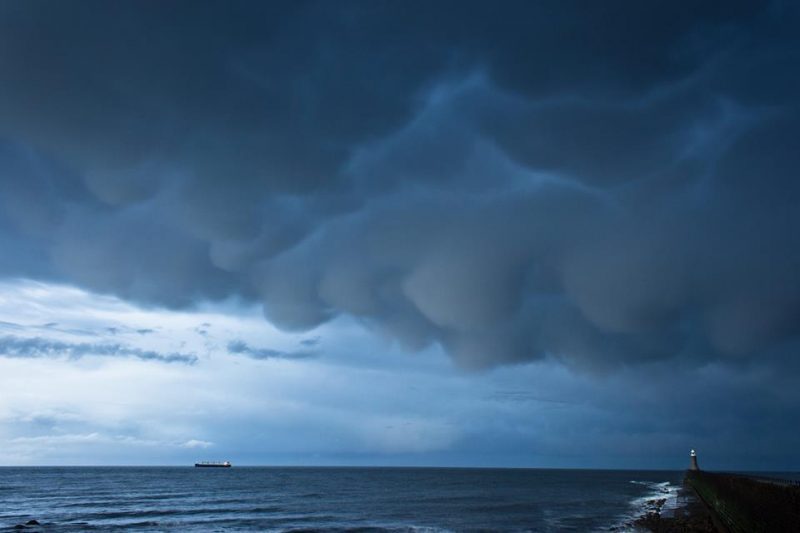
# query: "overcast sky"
(554, 234)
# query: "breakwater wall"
(748, 505)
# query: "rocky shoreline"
(691, 516)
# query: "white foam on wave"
(649, 502)
(658, 491)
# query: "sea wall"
(744, 504)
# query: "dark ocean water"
(332, 499)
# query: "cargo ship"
(213, 464)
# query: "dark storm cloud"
(602, 183)
(239, 347)
(37, 347)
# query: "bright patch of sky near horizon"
(278, 410)
(351, 398)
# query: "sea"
(328, 499)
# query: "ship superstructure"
(213, 464)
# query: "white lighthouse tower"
(693, 457)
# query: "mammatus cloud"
(37, 347)
(490, 186)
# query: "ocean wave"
(661, 497)
(372, 529)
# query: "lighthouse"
(693, 457)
